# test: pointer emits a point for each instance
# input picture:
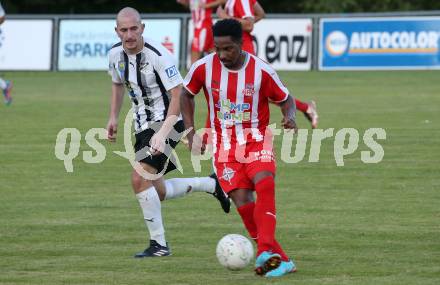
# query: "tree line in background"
(170, 6)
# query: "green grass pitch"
(357, 224)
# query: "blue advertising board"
(379, 43)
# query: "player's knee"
(241, 197)
(138, 183)
(135, 181)
(261, 175)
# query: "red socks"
(265, 214)
(301, 106)
(247, 215)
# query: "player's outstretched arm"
(115, 108)
(214, 4)
(159, 138)
(173, 110)
(2, 14)
(183, 2)
(259, 12)
(247, 24)
(288, 109)
(187, 106)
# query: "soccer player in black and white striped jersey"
(148, 72)
(5, 85)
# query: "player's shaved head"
(128, 12)
(129, 29)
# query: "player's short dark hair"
(228, 27)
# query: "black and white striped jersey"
(147, 76)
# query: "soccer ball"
(234, 251)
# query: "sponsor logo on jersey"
(215, 88)
(264, 155)
(171, 71)
(215, 91)
(121, 66)
(248, 90)
(232, 111)
(144, 66)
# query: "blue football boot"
(284, 268)
(266, 262)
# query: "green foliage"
(346, 6)
(170, 6)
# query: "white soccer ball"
(234, 251)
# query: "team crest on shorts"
(228, 174)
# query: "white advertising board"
(284, 43)
(26, 45)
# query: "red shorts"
(238, 175)
(203, 40)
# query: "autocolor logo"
(394, 42)
(386, 43)
(336, 43)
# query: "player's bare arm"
(213, 4)
(247, 24)
(259, 12)
(158, 140)
(115, 108)
(187, 106)
(288, 109)
(2, 19)
(183, 2)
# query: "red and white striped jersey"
(200, 16)
(241, 9)
(238, 101)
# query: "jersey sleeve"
(276, 91)
(194, 80)
(245, 8)
(113, 69)
(166, 68)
